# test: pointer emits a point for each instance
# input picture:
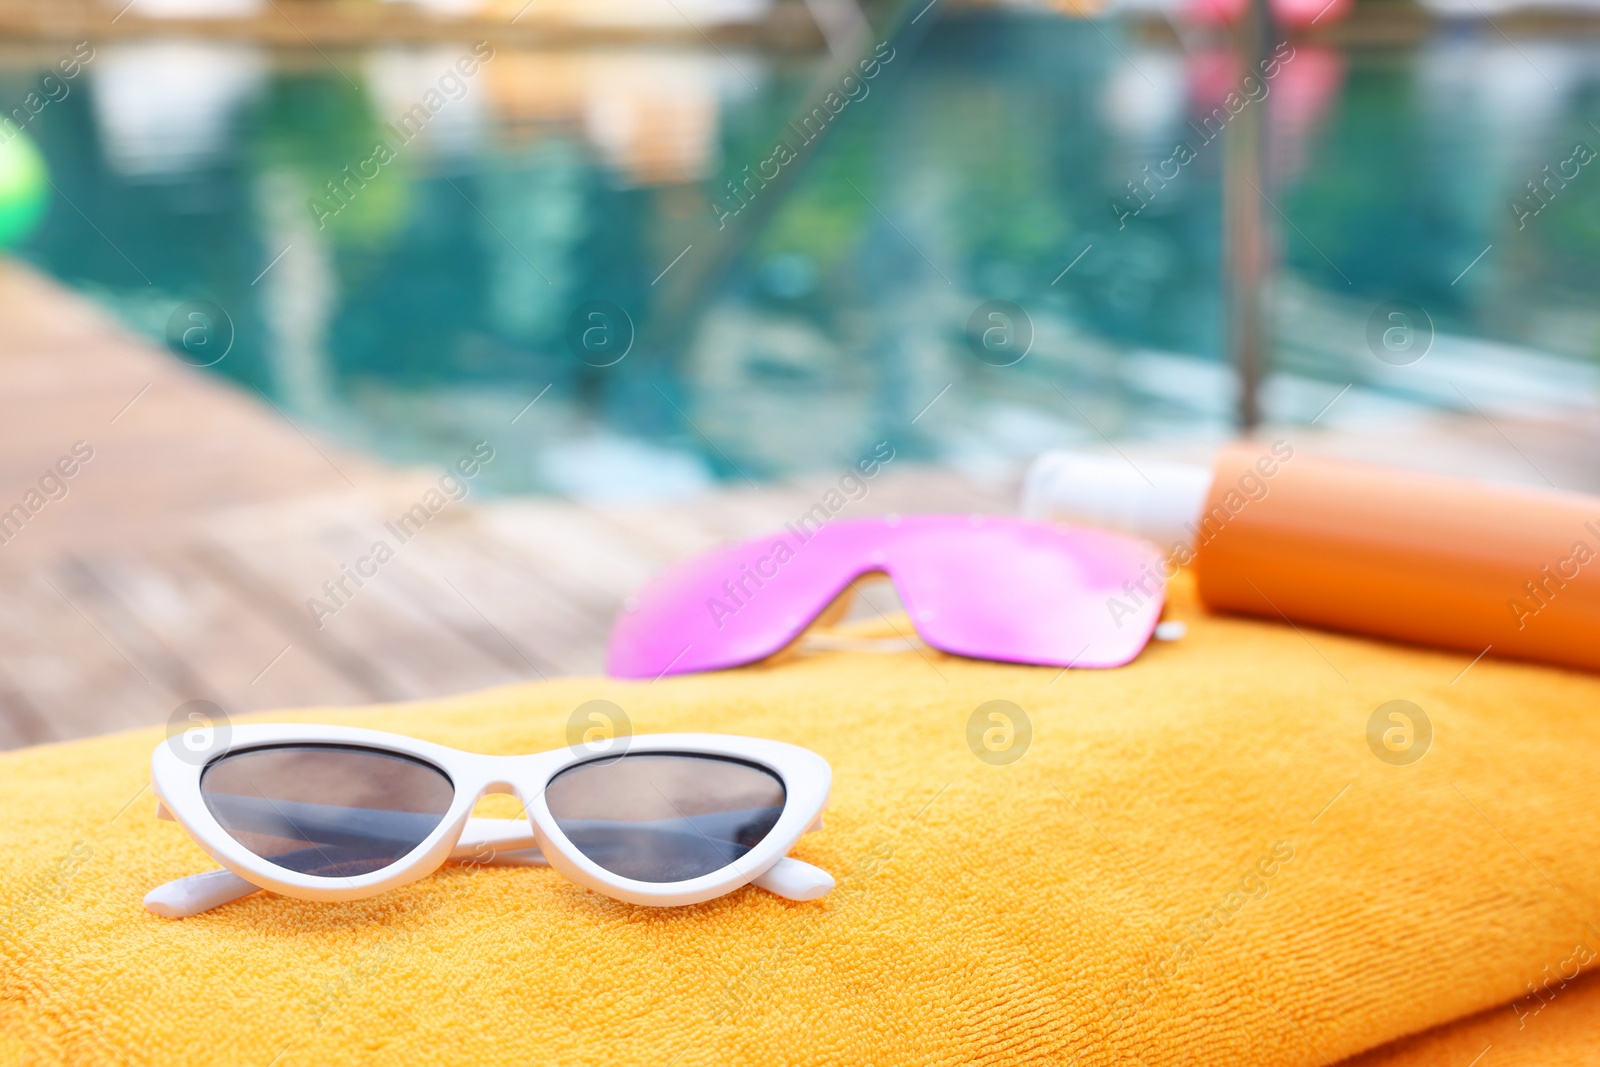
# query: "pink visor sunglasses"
(985, 586)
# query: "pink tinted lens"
(733, 605)
(1029, 592)
(989, 587)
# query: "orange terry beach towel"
(1207, 857)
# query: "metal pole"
(1246, 239)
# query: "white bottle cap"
(1154, 500)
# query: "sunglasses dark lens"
(333, 811)
(665, 818)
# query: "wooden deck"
(178, 564)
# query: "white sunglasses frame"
(175, 781)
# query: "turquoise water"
(545, 251)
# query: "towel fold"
(1219, 854)
(1550, 1026)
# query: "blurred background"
(279, 265)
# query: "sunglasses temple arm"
(197, 893)
(496, 842)
(794, 879)
(488, 842)
(789, 878)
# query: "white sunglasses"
(338, 813)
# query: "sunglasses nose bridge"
(493, 775)
(509, 780)
(515, 776)
(883, 564)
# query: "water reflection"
(169, 108)
(417, 303)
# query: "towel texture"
(1554, 1026)
(1197, 859)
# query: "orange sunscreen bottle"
(1473, 566)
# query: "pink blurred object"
(1302, 90)
(1290, 14)
(990, 587)
(1307, 90)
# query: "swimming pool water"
(603, 262)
